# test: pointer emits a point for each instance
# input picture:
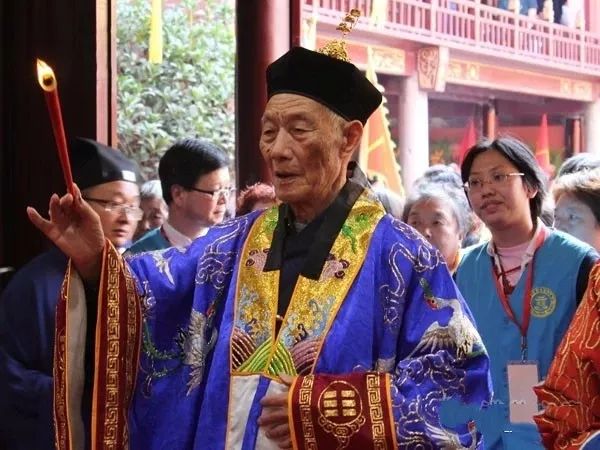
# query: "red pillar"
(296, 22)
(263, 34)
(576, 135)
(572, 136)
(490, 120)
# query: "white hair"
(392, 202)
(151, 189)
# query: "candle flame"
(46, 76)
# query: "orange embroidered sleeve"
(570, 394)
(118, 338)
(351, 411)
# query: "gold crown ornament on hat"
(337, 48)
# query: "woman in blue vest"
(523, 285)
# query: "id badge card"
(523, 404)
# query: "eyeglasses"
(217, 193)
(475, 184)
(134, 212)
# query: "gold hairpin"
(337, 48)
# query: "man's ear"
(353, 132)
(177, 193)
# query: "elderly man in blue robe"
(320, 323)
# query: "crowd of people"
(570, 13)
(316, 312)
(566, 12)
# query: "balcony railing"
(469, 25)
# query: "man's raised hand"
(75, 228)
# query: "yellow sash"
(314, 304)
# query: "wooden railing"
(472, 26)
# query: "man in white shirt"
(196, 186)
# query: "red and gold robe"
(117, 347)
(571, 392)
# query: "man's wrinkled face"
(155, 213)
(300, 142)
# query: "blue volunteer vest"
(553, 303)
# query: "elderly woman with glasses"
(577, 212)
(154, 207)
(523, 285)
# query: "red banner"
(351, 412)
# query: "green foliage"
(191, 94)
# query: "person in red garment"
(571, 392)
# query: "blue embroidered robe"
(402, 314)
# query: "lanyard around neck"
(523, 326)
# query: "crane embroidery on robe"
(162, 265)
(196, 347)
(449, 440)
(459, 333)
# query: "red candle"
(48, 83)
